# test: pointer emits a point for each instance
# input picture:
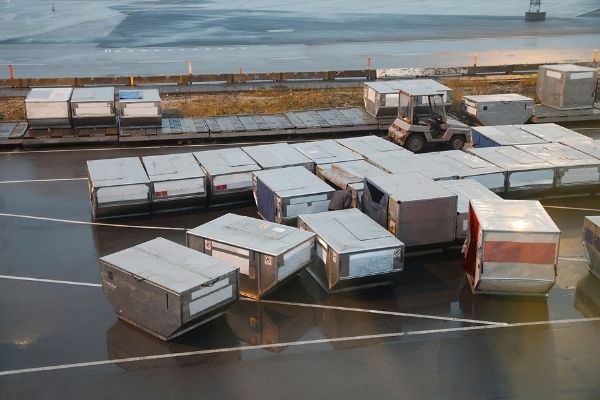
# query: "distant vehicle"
(422, 120)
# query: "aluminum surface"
(147, 96)
(553, 132)
(251, 233)
(292, 181)
(172, 167)
(93, 94)
(502, 135)
(277, 155)
(365, 145)
(170, 265)
(48, 95)
(411, 186)
(117, 172)
(513, 216)
(326, 151)
(226, 161)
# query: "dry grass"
(280, 99)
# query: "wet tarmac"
(425, 337)
(106, 37)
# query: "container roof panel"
(365, 145)
(226, 161)
(510, 158)
(590, 147)
(49, 95)
(570, 68)
(253, 234)
(411, 186)
(276, 155)
(350, 231)
(326, 151)
(139, 96)
(172, 166)
(513, 216)
(559, 154)
(493, 98)
(466, 190)
(169, 265)
(93, 94)
(292, 181)
(117, 171)
(553, 132)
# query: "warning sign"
(207, 245)
(268, 260)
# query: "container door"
(375, 203)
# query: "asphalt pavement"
(425, 337)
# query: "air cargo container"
(282, 194)
(167, 289)
(554, 133)
(48, 108)
(401, 162)
(353, 250)
(572, 167)
(466, 190)
(502, 135)
(278, 155)
(498, 109)
(365, 145)
(349, 175)
(512, 247)
(266, 253)
(118, 187)
(591, 242)
(178, 182)
(567, 86)
(140, 108)
(416, 209)
(326, 152)
(524, 171)
(464, 165)
(229, 174)
(93, 107)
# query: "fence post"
(11, 72)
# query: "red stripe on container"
(519, 252)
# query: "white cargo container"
(326, 152)
(567, 86)
(553, 133)
(266, 253)
(167, 289)
(512, 247)
(278, 155)
(401, 162)
(524, 171)
(353, 250)
(140, 108)
(591, 242)
(229, 173)
(498, 109)
(118, 187)
(178, 182)
(572, 167)
(93, 107)
(349, 175)
(365, 145)
(282, 194)
(466, 190)
(48, 108)
(502, 135)
(465, 165)
(417, 210)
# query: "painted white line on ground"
(381, 312)
(69, 221)
(291, 58)
(290, 344)
(24, 278)
(24, 64)
(576, 259)
(45, 180)
(574, 208)
(160, 62)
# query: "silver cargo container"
(48, 108)
(512, 247)
(466, 190)
(465, 165)
(498, 109)
(567, 86)
(178, 182)
(353, 250)
(417, 210)
(284, 193)
(140, 108)
(553, 133)
(365, 145)
(401, 162)
(572, 166)
(278, 155)
(524, 171)
(229, 173)
(349, 175)
(93, 107)
(167, 289)
(326, 152)
(381, 97)
(591, 242)
(502, 135)
(118, 187)
(266, 253)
